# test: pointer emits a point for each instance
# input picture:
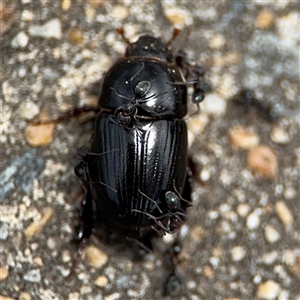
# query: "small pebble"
(288, 28)
(38, 261)
(205, 174)
(253, 220)
(22, 72)
(243, 138)
(40, 135)
(284, 295)
(9, 15)
(113, 296)
(271, 234)
(243, 210)
(265, 19)
(213, 105)
(37, 226)
(66, 4)
(20, 40)
(4, 230)
(295, 267)
(208, 271)
(257, 279)
(237, 253)
(227, 85)
(196, 126)
(29, 110)
(289, 193)
(289, 257)
(51, 243)
(51, 29)
(96, 257)
(280, 136)
(66, 256)
(101, 281)
(269, 257)
(74, 296)
(76, 35)
(24, 296)
(27, 15)
(268, 290)
(95, 3)
(4, 273)
(6, 298)
(85, 289)
(119, 12)
(284, 214)
(178, 16)
(263, 161)
(33, 276)
(217, 41)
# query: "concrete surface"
(242, 237)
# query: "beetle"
(135, 171)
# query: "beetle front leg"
(194, 75)
(69, 114)
(172, 285)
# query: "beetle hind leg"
(84, 229)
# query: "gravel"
(242, 237)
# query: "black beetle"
(135, 171)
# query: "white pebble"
(237, 253)
(288, 28)
(243, 209)
(27, 15)
(280, 136)
(51, 29)
(22, 72)
(213, 104)
(32, 276)
(205, 174)
(29, 110)
(289, 257)
(269, 257)
(20, 40)
(268, 290)
(271, 234)
(253, 221)
(284, 214)
(283, 295)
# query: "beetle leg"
(75, 112)
(139, 243)
(188, 202)
(156, 220)
(150, 200)
(172, 284)
(194, 75)
(85, 228)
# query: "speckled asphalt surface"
(242, 237)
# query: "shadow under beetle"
(135, 171)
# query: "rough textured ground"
(242, 238)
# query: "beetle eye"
(142, 88)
